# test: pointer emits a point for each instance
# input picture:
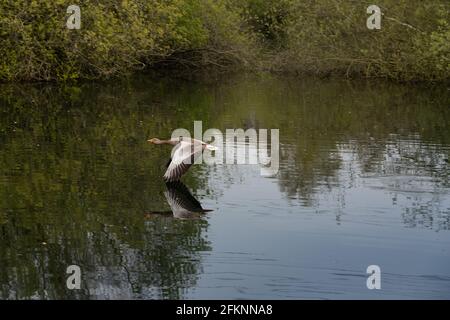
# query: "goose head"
(155, 141)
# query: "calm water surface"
(363, 179)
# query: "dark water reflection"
(364, 179)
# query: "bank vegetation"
(320, 37)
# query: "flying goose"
(184, 154)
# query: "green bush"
(321, 37)
(116, 37)
(269, 19)
(331, 37)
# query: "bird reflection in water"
(182, 203)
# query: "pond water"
(363, 180)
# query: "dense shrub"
(116, 37)
(331, 37)
(315, 36)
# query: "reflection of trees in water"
(92, 217)
(161, 260)
(316, 118)
(76, 178)
(302, 173)
(415, 171)
(408, 156)
(165, 262)
(76, 173)
(340, 133)
(332, 132)
(427, 214)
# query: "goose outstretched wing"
(184, 155)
